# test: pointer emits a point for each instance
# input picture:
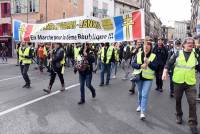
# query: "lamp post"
(27, 11)
(46, 10)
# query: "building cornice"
(128, 4)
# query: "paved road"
(30, 111)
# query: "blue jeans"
(85, 78)
(105, 68)
(113, 68)
(144, 88)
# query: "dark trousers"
(105, 68)
(53, 76)
(190, 93)
(85, 78)
(41, 63)
(159, 81)
(24, 72)
(171, 82)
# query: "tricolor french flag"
(21, 31)
(129, 27)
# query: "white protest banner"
(83, 29)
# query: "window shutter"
(8, 9)
(1, 31)
(9, 29)
(2, 10)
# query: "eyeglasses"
(190, 43)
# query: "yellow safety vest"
(45, 51)
(23, 54)
(146, 73)
(184, 72)
(116, 54)
(108, 54)
(76, 52)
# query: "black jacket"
(57, 57)
(161, 54)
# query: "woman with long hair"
(144, 66)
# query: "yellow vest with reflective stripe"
(21, 58)
(23, 54)
(45, 51)
(146, 73)
(62, 62)
(76, 52)
(184, 72)
(116, 54)
(108, 54)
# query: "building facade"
(181, 31)
(38, 11)
(146, 5)
(155, 26)
(171, 32)
(99, 8)
(5, 26)
(125, 6)
(195, 16)
(164, 32)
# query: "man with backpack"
(185, 64)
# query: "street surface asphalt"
(113, 111)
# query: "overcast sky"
(171, 10)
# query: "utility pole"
(27, 10)
(46, 10)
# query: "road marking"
(35, 100)
(11, 78)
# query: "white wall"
(180, 30)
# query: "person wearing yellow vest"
(107, 56)
(115, 62)
(25, 59)
(144, 65)
(57, 62)
(138, 48)
(76, 52)
(185, 64)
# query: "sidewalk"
(11, 61)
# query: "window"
(32, 6)
(20, 6)
(95, 11)
(5, 29)
(5, 10)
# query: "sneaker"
(194, 130)
(179, 120)
(101, 85)
(142, 116)
(63, 88)
(124, 78)
(138, 109)
(114, 77)
(94, 94)
(172, 95)
(81, 102)
(24, 86)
